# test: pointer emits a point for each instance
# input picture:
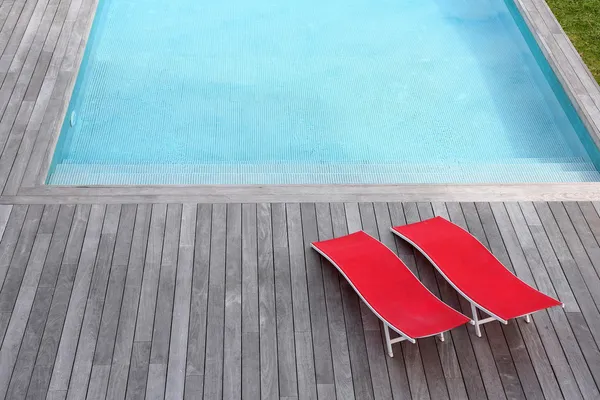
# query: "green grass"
(581, 21)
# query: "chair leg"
(475, 320)
(442, 338)
(528, 318)
(388, 341)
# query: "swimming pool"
(301, 92)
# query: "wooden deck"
(229, 301)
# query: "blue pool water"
(317, 91)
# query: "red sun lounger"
(389, 288)
(474, 272)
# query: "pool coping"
(573, 74)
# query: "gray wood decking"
(229, 301)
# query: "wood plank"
(12, 133)
(213, 370)
(10, 238)
(286, 356)
(124, 235)
(490, 373)
(23, 304)
(297, 269)
(77, 234)
(176, 367)
(461, 340)
(371, 325)
(405, 251)
(154, 248)
(13, 127)
(357, 348)
(499, 338)
(23, 66)
(15, 32)
(584, 340)
(232, 341)
(592, 218)
(342, 370)
(21, 376)
(353, 221)
(316, 297)
(98, 382)
(575, 363)
(574, 274)
(82, 366)
(269, 377)
(577, 283)
(9, 23)
(4, 215)
(552, 265)
(117, 381)
(447, 355)
(5, 11)
(63, 365)
(250, 305)
(57, 246)
(46, 356)
(415, 370)
(585, 234)
(369, 320)
(305, 364)
(161, 334)
(15, 268)
(495, 333)
(198, 311)
(43, 73)
(14, 87)
(157, 377)
(48, 194)
(48, 221)
(438, 387)
(527, 334)
(138, 371)
(396, 365)
(577, 250)
(14, 276)
(35, 326)
(116, 284)
(110, 316)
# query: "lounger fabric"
(388, 286)
(473, 270)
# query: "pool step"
(575, 170)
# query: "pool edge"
(574, 76)
(305, 193)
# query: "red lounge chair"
(389, 288)
(474, 272)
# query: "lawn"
(581, 21)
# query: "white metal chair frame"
(386, 325)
